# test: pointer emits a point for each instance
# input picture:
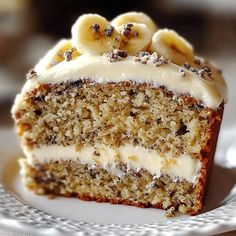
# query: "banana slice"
(172, 46)
(94, 34)
(135, 17)
(58, 54)
(135, 37)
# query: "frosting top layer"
(130, 48)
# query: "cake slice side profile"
(123, 112)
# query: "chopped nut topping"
(108, 31)
(197, 62)
(68, 55)
(154, 58)
(129, 25)
(121, 53)
(206, 70)
(181, 71)
(31, 74)
(142, 57)
(116, 55)
(145, 57)
(127, 29)
(200, 72)
(143, 53)
(95, 28)
(187, 66)
(161, 60)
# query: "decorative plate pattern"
(14, 212)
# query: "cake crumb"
(170, 212)
(51, 196)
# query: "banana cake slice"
(123, 112)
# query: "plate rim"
(16, 213)
(28, 219)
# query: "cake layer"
(210, 92)
(115, 114)
(70, 178)
(134, 157)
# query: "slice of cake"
(123, 113)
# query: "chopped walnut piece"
(116, 55)
(142, 57)
(161, 61)
(109, 31)
(197, 62)
(95, 28)
(186, 66)
(145, 57)
(126, 30)
(31, 74)
(68, 55)
(205, 70)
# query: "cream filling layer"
(135, 157)
(211, 92)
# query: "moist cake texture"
(123, 113)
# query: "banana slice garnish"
(58, 54)
(134, 17)
(172, 46)
(92, 33)
(135, 37)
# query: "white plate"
(30, 213)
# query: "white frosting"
(135, 157)
(85, 60)
(210, 93)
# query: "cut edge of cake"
(137, 128)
